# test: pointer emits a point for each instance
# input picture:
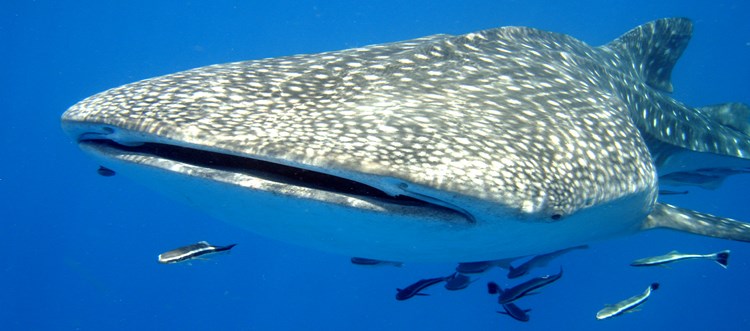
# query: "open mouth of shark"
(276, 172)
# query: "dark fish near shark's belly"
(516, 292)
(416, 288)
(495, 144)
(511, 309)
(539, 261)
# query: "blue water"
(80, 249)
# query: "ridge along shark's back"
(500, 143)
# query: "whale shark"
(494, 144)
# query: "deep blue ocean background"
(79, 250)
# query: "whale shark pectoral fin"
(676, 218)
(733, 114)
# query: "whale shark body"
(500, 143)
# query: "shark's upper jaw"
(109, 142)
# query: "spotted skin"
(450, 113)
(512, 124)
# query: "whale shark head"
(499, 143)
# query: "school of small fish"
(507, 297)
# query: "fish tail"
(493, 288)
(722, 258)
(225, 248)
(654, 286)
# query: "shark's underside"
(500, 143)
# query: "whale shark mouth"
(274, 172)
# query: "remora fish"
(458, 281)
(482, 266)
(518, 291)
(722, 258)
(192, 251)
(669, 192)
(414, 289)
(500, 143)
(371, 262)
(511, 309)
(539, 261)
(627, 305)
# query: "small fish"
(516, 312)
(415, 288)
(539, 261)
(482, 266)
(668, 192)
(372, 262)
(106, 172)
(458, 281)
(516, 292)
(627, 305)
(191, 252)
(511, 309)
(722, 258)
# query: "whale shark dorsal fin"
(653, 49)
(676, 218)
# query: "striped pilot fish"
(193, 251)
(722, 258)
(626, 306)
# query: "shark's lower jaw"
(336, 215)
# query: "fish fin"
(632, 310)
(722, 258)
(204, 242)
(676, 218)
(493, 288)
(422, 294)
(653, 49)
(505, 263)
(735, 115)
(225, 248)
(501, 312)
